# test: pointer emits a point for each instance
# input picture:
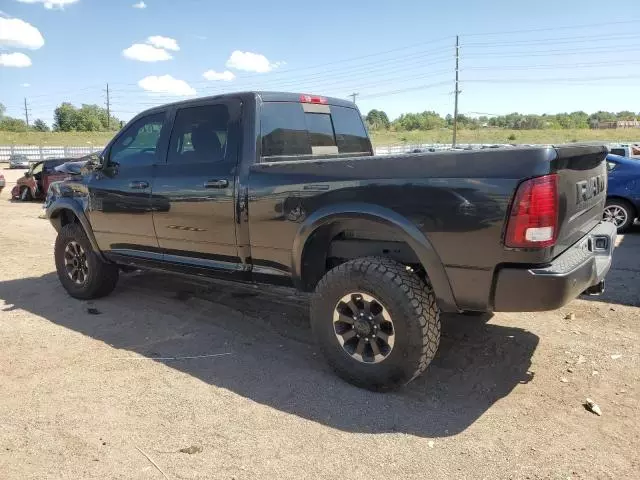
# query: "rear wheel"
(377, 324)
(81, 271)
(620, 213)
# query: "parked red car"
(35, 182)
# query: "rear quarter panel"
(458, 200)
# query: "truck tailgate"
(582, 189)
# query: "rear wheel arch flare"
(320, 228)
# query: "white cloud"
(225, 76)
(25, 85)
(166, 84)
(251, 62)
(163, 42)
(51, 4)
(18, 60)
(18, 33)
(146, 53)
(139, 5)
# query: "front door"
(50, 175)
(120, 196)
(198, 181)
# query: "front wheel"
(620, 213)
(81, 271)
(377, 323)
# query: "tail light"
(313, 99)
(533, 222)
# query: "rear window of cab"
(288, 130)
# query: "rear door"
(120, 192)
(198, 183)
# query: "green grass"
(59, 139)
(486, 135)
(491, 135)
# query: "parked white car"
(18, 160)
(626, 150)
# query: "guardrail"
(37, 153)
(408, 148)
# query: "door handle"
(216, 184)
(139, 185)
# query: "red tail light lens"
(533, 222)
(313, 99)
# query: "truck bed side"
(459, 202)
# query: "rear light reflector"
(533, 222)
(313, 99)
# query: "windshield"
(36, 168)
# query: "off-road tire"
(102, 277)
(410, 302)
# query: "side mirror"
(96, 161)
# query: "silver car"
(17, 160)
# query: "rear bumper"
(546, 288)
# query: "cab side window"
(138, 144)
(200, 135)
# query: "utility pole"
(26, 111)
(353, 96)
(108, 108)
(457, 93)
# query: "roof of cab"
(263, 96)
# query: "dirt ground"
(94, 389)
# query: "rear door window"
(288, 131)
(199, 135)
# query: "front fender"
(54, 214)
(389, 219)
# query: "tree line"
(429, 120)
(66, 118)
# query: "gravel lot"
(91, 389)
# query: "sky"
(530, 57)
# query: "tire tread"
(416, 292)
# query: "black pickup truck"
(284, 188)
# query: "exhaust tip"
(597, 289)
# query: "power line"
(403, 90)
(552, 66)
(556, 52)
(554, 28)
(553, 40)
(568, 80)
